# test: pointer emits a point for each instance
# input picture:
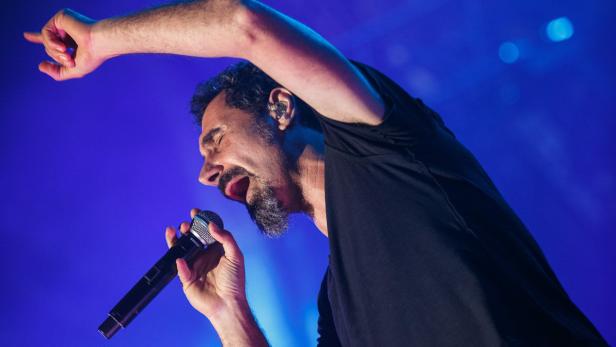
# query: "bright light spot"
(559, 29)
(508, 52)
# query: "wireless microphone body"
(187, 247)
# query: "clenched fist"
(67, 38)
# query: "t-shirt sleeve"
(406, 122)
(326, 329)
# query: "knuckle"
(61, 14)
(226, 237)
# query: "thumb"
(232, 251)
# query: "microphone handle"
(150, 285)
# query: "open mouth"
(237, 188)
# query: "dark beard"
(265, 209)
(268, 213)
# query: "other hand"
(67, 38)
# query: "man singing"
(424, 251)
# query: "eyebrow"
(209, 137)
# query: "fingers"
(184, 227)
(55, 50)
(61, 58)
(56, 71)
(55, 47)
(52, 40)
(170, 232)
(33, 37)
(52, 69)
(184, 272)
(170, 236)
(194, 212)
(232, 251)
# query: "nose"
(210, 174)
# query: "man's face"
(245, 161)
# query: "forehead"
(219, 115)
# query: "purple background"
(92, 170)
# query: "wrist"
(236, 325)
(100, 47)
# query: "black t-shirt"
(424, 251)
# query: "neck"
(310, 177)
(312, 182)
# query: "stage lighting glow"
(559, 29)
(508, 52)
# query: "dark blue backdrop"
(89, 167)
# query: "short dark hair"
(246, 88)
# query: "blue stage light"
(509, 52)
(559, 29)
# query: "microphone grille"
(199, 226)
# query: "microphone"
(187, 247)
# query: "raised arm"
(288, 51)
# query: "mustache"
(228, 175)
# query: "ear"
(282, 107)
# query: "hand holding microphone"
(211, 268)
(216, 280)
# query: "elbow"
(248, 22)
